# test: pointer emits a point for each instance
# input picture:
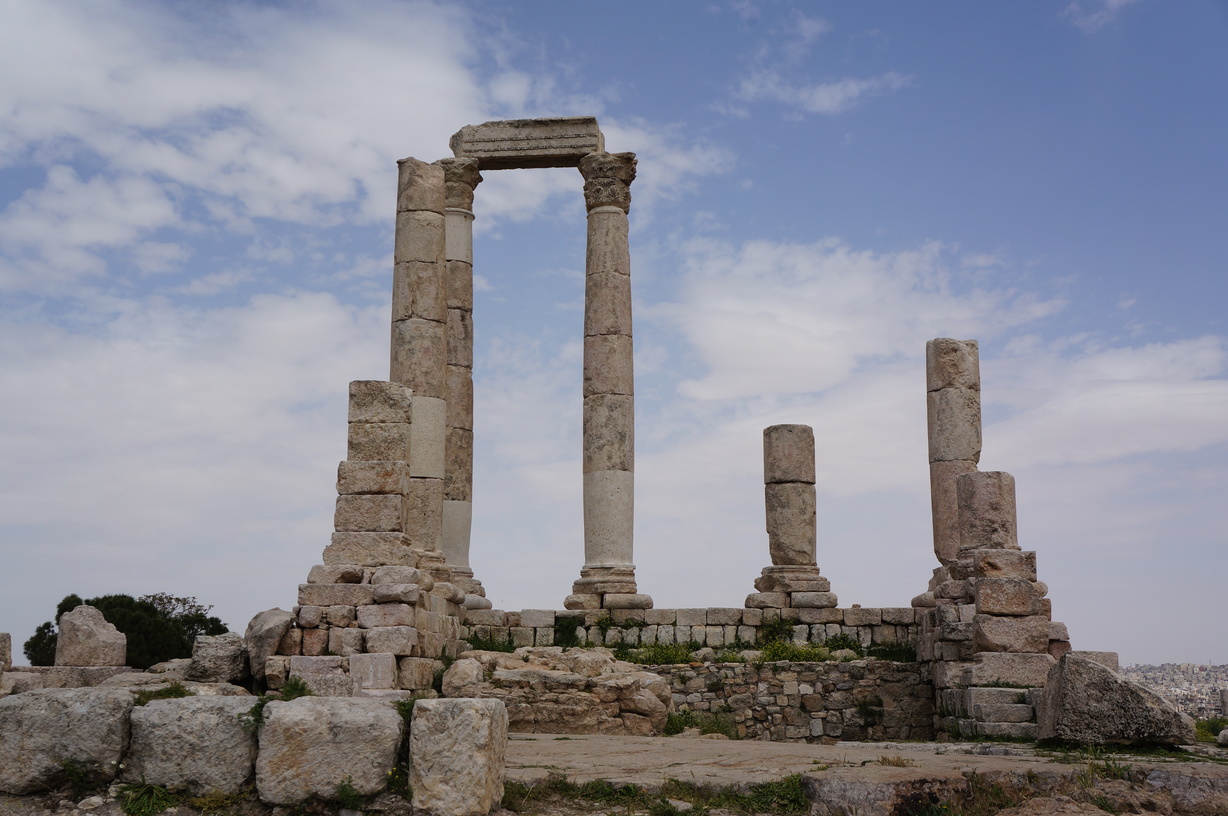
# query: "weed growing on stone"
(478, 644)
(981, 798)
(775, 631)
(348, 797)
(216, 803)
(565, 634)
(893, 651)
(292, 689)
(80, 780)
(145, 799)
(708, 722)
(843, 641)
(659, 654)
(787, 650)
(896, 761)
(172, 692)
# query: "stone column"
(793, 580)
(608, 577)
(461, 176)
(953, 383)
(420, 346)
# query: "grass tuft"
(145, 799)
(172, 692)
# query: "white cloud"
(1092, 16)
(824, 97)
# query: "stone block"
(623, 600)
(193, 744)
(379, 401)
(954, 422)
(607, 302)
(857, 616)
(900, 616)
(1007, 596)
(608, 365)
(767, 600)
(691, 617)
(418, 673)
(805, 578)
(397, 574)
(952, 364)
(987, 511)
(428, 438)
(723, 616)
(944, 506)
(396, 593)
(419, 290)
(803, 600)
(218, 659)
(340, 615)
(423, 506)
(1003, 712)
(276, 670)
(609, 437)
(356, 478)
(374, 671)
(370, 550)
(458, 465)
(537, 618)
(420, 357)
(420, 186)
(1014, 730)
(386, 614)
(87, 639)
(263, 635)
(995, 563)
(486, 617)
(312, 745)
(656, 617)
(460, 397)
(6, 651)
(460, 338)
(368, 514)
(790, 510)
(397, 640)
(1106, 659)
(1030, 670)
(820, 615)
(517, 143)
(788, 454)
(419, 237)
(336, 574)
(335, 594)
(314, 641)
(346, 642)
(378, 441)
(457, 750)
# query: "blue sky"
(196, 209)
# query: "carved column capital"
(607, 179)
(460, 177)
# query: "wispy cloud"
(1091, 16)
(824, 97)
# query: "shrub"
(173, 691)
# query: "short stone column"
(457, 750)
(793, 580)
(953, 402)
(607, 579)
(461, 176)
(420, 341)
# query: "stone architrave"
(517, 143)
(953, 385)
(87, 639)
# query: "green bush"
(659, 654)
(793, 652)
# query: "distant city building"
(1200, 691)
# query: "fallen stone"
(457, 751)
(218, 659)
(1222, 739)
(86, 639)
(196, 744)
(310, 746)
(263, 635)
(1089, 704)
(45, 732)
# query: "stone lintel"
(521, 143)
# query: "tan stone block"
(790, 510)
(944, 506)
(370, 550)
(607, 303)
(386, 614)
(954, 423)
(461, 177)
(857, 616)
(460, 338)
(952, 364)
(582, 601)
(995, 563)
(1028, 635)
(460, 397)
(309, 617)
(516, 143)
(788, 454)
(339, 616)
(900, 616)
(609, 432)
(691, 617)
(655, 617)
(378, 441)
(428, 438)
(423, 507)
(397, 640)
(345, 642)
(420, 186)
(334, 594)
(379, 401)
(403, 575)
(619, 600)
(458, 229)
(724, 616)
(820, 615)
(368, 513)
(1057, 648)
(315, 641)
(417, 673)
(987, 517)
(804, 600)
(458, 466)
(1029, 670)
(335, 574)
(291, 642)
(608, 366)
(1058, 631)
(420, 356)
(1006, 596)
(1107, 659)
(359, 478)
(419, 237)
(375, 671)
(397, 593)
(460, 285)
(767, 600)
(419, 290)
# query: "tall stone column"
(607, 579)
(461, 176)
(420, 346)
(953, 385)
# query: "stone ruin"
(396, 594)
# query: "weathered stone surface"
(1222, 739)
(892, 791)
(461, 176)
(6, 651)
(580, 601)
(374, 671)
(607, 301)
(310, 746)
(379, 401)
(335, 594)
(263, 635)
(1031, 670)
(419, 290)
(609, 432)
(218, 659)
(994, 564)
(368, 514)
(767, 600)
(790, 510)
(609, 529)
(515, 143)
(954, 421)
(397, 593)
(346, 641)
(370, 550)
(607, 180)
(460, 397)
(419, 237)
(86, 639)
(457, 751)
(786, 578)
(1007, 596)
(420, 356)
(196, 744)
(1107, 659)
(386, 477)
(944, 507)
(1090, 704)
(378, 441)
(458, 465)
(987, 511)
(420, 186)
(608, 365)
(788, 454)
(41, 730)
(385, 614)
(417, 673)
(952, 364)
(335, 574)
(394, 574)
(626, 600)
(397, 640)
(460, 338)
(423, 508)
(1026, 635)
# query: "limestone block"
(457, 751)
(291, 643)
(819, 615)
(378, 441)
(790, 523)
(767, 600)
(379, 401)
(1029, 670)
(397, 640)
(788, 454)
(197, 744)
(460, 397)
(900, 616)
(1003, 712)
(43, 729)
(368, 514)
(369, 549)
(515, 143)
(537, 618)
(386, 614)
(315, 641)
(458, 228)
(1027, 635)
(420, 356)
(419, 290)
(374, 671)
(608, 365)
(419, 237)
(396, 593)
(418, 673)
(277, 670)
(954, 422)
(460, 285)
(86, 639)
(420, 186)
(944, 506)
(723, 616)
(460, 338)
(1006, 596)
(1106, 659)
(6, 651)
(607, 303)
(346, 642)
(448, 591)
(370, 477)
(335, 594)
(218, 659)
(987, 511)
(952, 364)
(609, 432)
(428, 438)
(769, 581)
(803, 600)
(582, 601)
(335, 574)
(339, 616)
(995, 564)
(403, 575)
(691, 617)
(458, 465)
(609, 501)
(607, 248)
(1087, 703)
(620, 600)
(857, 616)
(310, 746)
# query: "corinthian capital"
(460, 176)
(607, 179)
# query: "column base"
(791, 586)
(611, 587)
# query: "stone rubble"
(86, 639)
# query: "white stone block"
(457, 751)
